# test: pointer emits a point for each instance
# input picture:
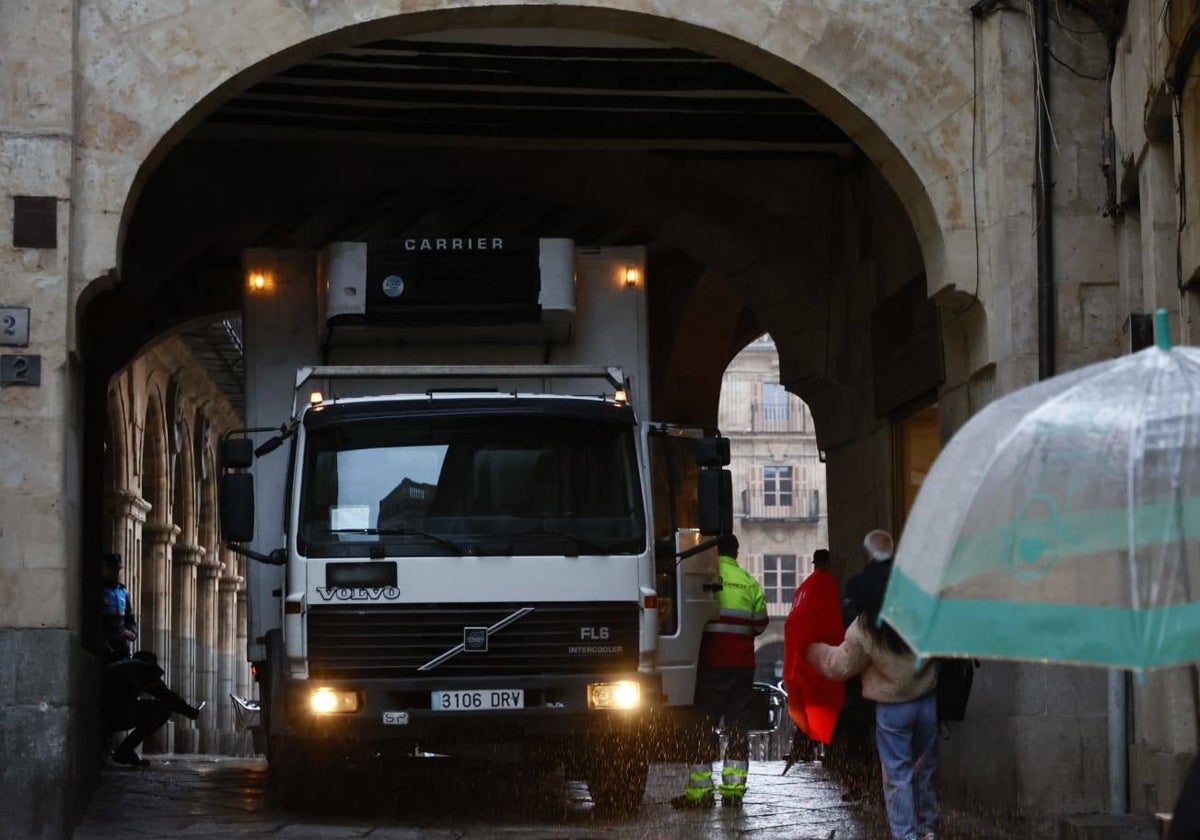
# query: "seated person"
(135, 697)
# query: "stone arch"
(207, 531)
(905, 113)
(181, 532)
(154, 464)
(183, 490)
(118, 472)
(117, 440)
(768, 650)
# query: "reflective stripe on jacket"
(728, 640)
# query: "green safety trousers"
(733, 780)
(722, 693)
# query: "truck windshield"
(509, 485)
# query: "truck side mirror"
(236, 502)
(716, 502)
(712, 452)
(237, 453)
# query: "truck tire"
(617, 780)
(297, 772)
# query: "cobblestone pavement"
(191, 796)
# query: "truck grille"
(394, 640)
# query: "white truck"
(471, 540)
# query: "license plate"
(395, 718)
(486, 698)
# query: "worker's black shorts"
(726, 693)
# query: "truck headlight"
(625, 694)
(332, 701)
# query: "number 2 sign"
(20, 370)
(14, 326)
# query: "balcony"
(798, 506)
(779, 417)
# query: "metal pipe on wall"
(1118, 742)
(1044, 180)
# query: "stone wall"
(1156, 117)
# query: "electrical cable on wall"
(974, 145)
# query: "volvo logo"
(475, 639)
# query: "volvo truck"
(468, 535)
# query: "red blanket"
(813, 700)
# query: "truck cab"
(477, 559)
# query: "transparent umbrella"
(1062, 523)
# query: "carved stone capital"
(188, 555)
(212, 562)
(162, 533)
(128, 504)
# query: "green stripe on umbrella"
(1070, 633)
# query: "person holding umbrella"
(906, 728)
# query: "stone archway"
(918, 147)
(894, 142)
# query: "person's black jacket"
(865, 589)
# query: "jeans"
(906, 734)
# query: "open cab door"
(688, 517)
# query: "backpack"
(954, 687)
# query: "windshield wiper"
(578, 543)
(404, 532)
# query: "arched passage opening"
(757, 212)
(779, 486)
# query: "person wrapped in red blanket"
(814, 701)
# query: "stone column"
(186, 559)
(155, 618)
(227, 658)
(246, 686)
(127, 516)
(206, 652)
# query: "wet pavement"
(190, 796)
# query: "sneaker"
(129, 758)
(684, 802)
(731, 801)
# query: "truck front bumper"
(402, 710)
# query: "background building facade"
(778, 486)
